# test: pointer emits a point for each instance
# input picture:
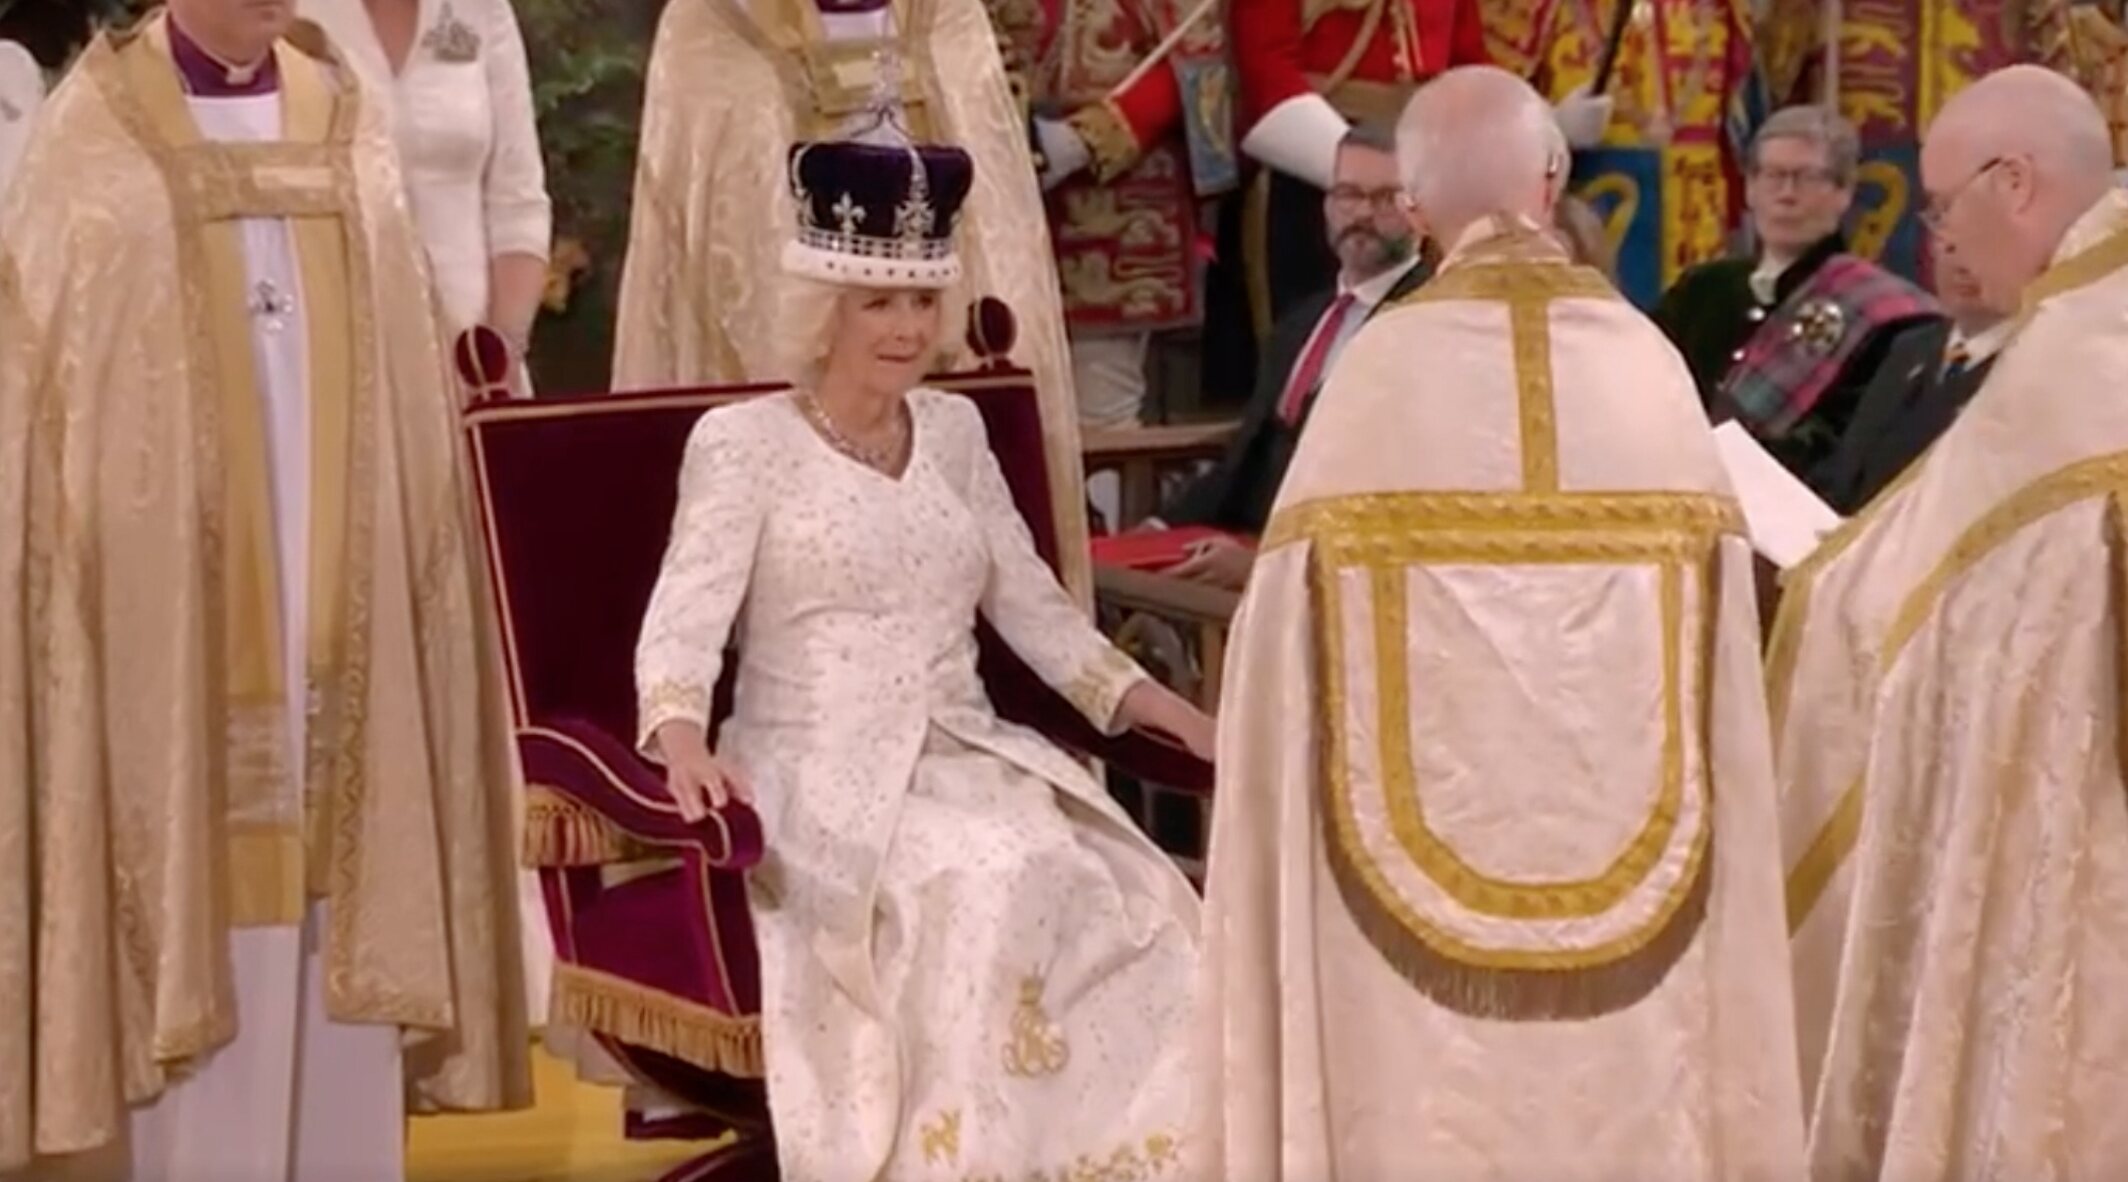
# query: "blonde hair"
(808, 319)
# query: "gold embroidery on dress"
(1037, 1047)
(942, 1138)
(1157, 1155)
(1094, 692)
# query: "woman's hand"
(698, 783)
(1150, 706)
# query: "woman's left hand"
(1151, 706)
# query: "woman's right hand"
(697, 782)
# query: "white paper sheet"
(1784, 517)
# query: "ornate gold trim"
(655, 1020)
(2107, 255)
(1386, 533)
(266, 875)
(2105, 475)
(1397, 514)
(1466, 884)
(1528, 286)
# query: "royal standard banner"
(1665, 178)
(1899, 62)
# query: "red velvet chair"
(654, 945)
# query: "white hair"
(807, 325)
(1477, 141)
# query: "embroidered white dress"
(461, 107)
(972, 963)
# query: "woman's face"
(886, 338)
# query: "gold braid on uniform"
(1108, 138)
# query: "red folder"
(1150, 549)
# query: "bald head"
(2009, 165)
(1477, 141)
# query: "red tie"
(1309, 373)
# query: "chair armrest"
(1181, 600)
(618, 802)
(1166, 441)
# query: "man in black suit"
(1930, 371)
(1378, 260)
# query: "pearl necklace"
(887, 457)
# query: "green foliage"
(588, 60)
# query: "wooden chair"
(1145, 457)
(655, 954)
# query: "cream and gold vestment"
(1946, 682)
(1493, 890)
(187, 754)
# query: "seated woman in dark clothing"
(1786, 341)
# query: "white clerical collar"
(1373, 290)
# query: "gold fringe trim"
(559, 832)
(658, 1021)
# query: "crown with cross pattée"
(874, 209)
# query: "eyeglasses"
(1938, 209)
(1352, 197)
(1801, 178)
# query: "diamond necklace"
(885, 457)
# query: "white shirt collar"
(1370, 292)
(1981, 345)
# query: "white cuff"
(1299, 137)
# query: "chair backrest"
(577, 497)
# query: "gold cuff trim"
(560, 832)
(1108, 136)
(658, 1021)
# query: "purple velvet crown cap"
(877, 215)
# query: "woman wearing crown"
(732, 84)
(972, 963)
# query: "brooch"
(1819, 324)
(452, 40)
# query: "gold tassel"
(559, 832)
(658, 1021)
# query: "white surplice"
(295, 1095)
(972, 964)
(1494, 891)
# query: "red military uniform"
(1307, 69)
(1286, 48)
(1124, 229)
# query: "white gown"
(461, 110)
(470, 150)
(972, 964)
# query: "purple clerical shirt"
(207, 77)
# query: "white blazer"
(21, 93)
(461, 109)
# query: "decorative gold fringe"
(1525, 995)
(560, 832)
(655, 1020)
